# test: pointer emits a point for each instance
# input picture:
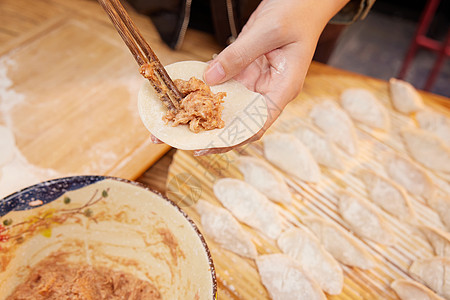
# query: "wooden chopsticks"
(150, 66)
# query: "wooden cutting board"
(68, 88)
(191, 178)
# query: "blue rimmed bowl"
(105, 222)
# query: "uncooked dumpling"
(427, 149)
(305, 248)
(412, 290)
(336, 124)
(264, 178)
(289, 154)
(321, 148)
(284, 279)
(244, 113)
(339, 243)
(391, 197)
(362, 106)
(249, 206)
(409, 175)
(7, 146)
(223, 228)
(441, 205)
(435, 273)
(440, 240)
(364, 220)
(436, 123)
(404, 96)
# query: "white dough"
(412, 290)
(223, 228)
(264, 178)
(409, 175)
(427, 149)
(244, 113)
(305, 248)
(441, 205)
(7, 146)
(339, 243)
(440, 240)
(284, 279)
(290, 155)
(336, 124)
(391, 197)
(320, 146)
(249, 206)
(435, 273)
(436, 123)
(364, 220)
(404, 96)
(364, 107)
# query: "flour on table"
(404, 96)
(434, 273)
(284, 279)
(388, 195)
(304, 247)
(320, 146)
(364, 107)
(364, 220)
(222, 227)
(264, 178)
(7, 146)
(436, 123)
(289, 154)
(249, 206)
(336, 124)
(412, 290)
(338, 242)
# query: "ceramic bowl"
(105, 222)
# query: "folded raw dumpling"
(427, 149)
(249, 206)
(264, 178)
(435, 273)
(436, 123)
(441, 205)
(412, 290)
(409, 175)
(391, 197)
(320, 146)
(284, 279)
(362, 106)
(364, 220)
(289, 154)
(223, 228)
(305, 248)
(336, 124)
(404, 96)
(440, 240)
(339, 243)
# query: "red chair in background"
(420, 39)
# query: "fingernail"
(154, 140)
(214, 74)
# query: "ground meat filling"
(52, 279)
(200, 107)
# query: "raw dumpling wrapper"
(435, 273)
(412, 290)
(441, 205)
(364, 220)
(440, 240)
(244, 113)
(436, 123)
(305, 248)
(336, 124)
(284, 279)
(427, 149)
(362, 106)
(249, 206)
(223, 228)
(339, 243)
(321, 148)
(264, 178)
(404, 96)
(290, 155)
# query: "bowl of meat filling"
(96, 237)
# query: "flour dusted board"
(191, 178)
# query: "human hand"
(272, 53)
